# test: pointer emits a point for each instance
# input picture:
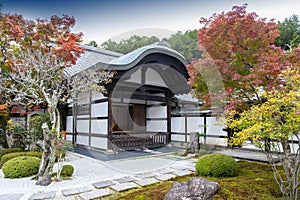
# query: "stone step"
(95, 194)
(103, 184)
(146, 181)
(123, 186)
(42, 195)
(74, 191)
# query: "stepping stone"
(125, 180)
(95, 194)
(191, 168)
(145, 175)
(42, 195)
(147, 181)
(124, 186)
(179, 167)
(10, 196)
(74, 191)
(103, 184)
(165, 177)
(182, 172)
(165, 171)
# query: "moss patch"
(254, 181)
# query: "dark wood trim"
(90, 115)
(185, 127)
(100, 101)
(99, 118)
(101, 135)
(110, 121)
(169, 125)
(156, 119)
(92, 118)
(194, 115)
(138, 96)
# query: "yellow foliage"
(277, 118)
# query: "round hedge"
(67, 171)
(217, 165)
(9, 150)
(10, 156)
(19, 167)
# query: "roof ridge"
(101, 50)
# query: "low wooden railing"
(129, 140)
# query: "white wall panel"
(178, 124)
(214, 127)
(195, 124)
(82, 116)
(99, 142)
(83, 126)
(215, 141)
(83, 140)
(157, 126)
(135, 77)
(180, 138)
(100, 109)
(154, 78)
(69, 124)
(157, 112)
(97, 95)
(99, 126)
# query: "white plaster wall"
(135, 77)
(97, 95)
(157, 112)
(83, 126)
(178, 124)
(100, 110)
(195, 124)
(69, 124)
(157, 126)
(83, 140)
(215, 141)
(180, 138)
(99, 142)
(214, 127)
(99, 126)
(154, 78)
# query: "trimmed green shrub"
(10, 156)
(9, 150)
(217, 165)
(21, 167)
(67, 171)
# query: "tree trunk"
(291, 171)
(48, 157)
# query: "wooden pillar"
(205, 126)
(168, 118)
(74, 109)
(90, 116)
(185, 127)
(109, 122)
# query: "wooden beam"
(109, 122)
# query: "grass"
(254, 181)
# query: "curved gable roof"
(103, 59)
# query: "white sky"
(101, 20)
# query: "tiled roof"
(187, 98)
(103, 59)
(90, 58)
